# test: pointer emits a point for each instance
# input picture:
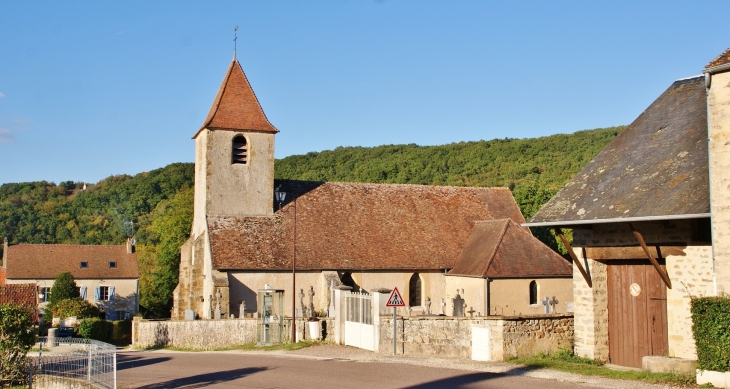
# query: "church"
(433, 243)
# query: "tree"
(74, 307)
(16, 338)
(64, 287)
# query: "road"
(159, 369)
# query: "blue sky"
(93, 89)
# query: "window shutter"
(111, 293)
(97, 293)
(108, 316)
(83, 293)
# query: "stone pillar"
(591, 310)
(718, 121)
(380, 298)
(340, 313)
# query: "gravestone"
(301, 312)
(458, 305)
(546, 305)
(428, 306)
(553, 303)
(442, 304)
(189, 314)
(569, 307)
(311, 301)
(242, 310)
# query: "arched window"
(533, 293)
(239, 151)
(414, 290)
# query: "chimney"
(130, 246)
(5, 252)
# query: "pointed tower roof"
(235, 106)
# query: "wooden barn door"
(637, 312)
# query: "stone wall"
(450, 336)
(210, 334)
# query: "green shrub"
(711, 329)
(122, 331)
(97, 329)
(64, 287)
(75, 307)
(16, 338)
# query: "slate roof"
(22, 295)
(503, 249)
(36, 261)
(359, 226)
(657, 167)
(721, 59)
(235, 106)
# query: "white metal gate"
(359, 329)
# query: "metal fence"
(62, 361)
(359, 307)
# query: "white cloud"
(6, 136)
(1, 95)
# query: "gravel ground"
(359, 355)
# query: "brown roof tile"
(35, 261)
(359, 226)
(721, 59)
(503, 249)
(22, 295)
(235, 106)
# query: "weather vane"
(235, 38)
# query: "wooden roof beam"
(576, 261)
(657, 267)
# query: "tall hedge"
(711, 329)
(16, 338)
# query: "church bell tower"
(234, 154)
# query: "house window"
(44, 294)
(104, 293)
(533, 293)
(414, 290)
(112, 265)
(83, 264)
(239, 151)
(121, 315)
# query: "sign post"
(395, 300)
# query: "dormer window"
(83, 264)
(239, 151)
(112, 265)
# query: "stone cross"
(428, 306)
(242, 310)
(553, 303)
(311, 301)
(546, 303)
(218, 309)
(301, 303)
(442, 304)
(471, 311)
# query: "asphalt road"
(157, 370)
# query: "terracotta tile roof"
(503, 249)
(23, 295)
(656, 167)
(359, 226)
(235, 106)
(721, 59)
(35, 261)
(2, 276)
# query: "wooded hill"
(156, 206)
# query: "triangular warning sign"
(395, 299)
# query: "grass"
(247, 347)
(564, 360)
